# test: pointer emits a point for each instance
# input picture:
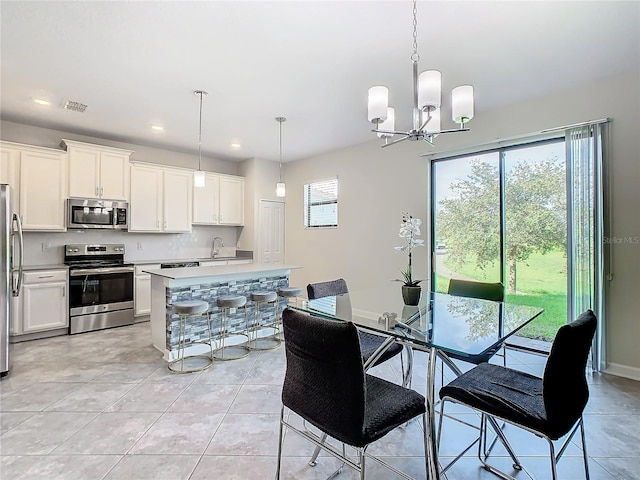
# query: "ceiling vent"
(75, 106)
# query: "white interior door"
(271, 232)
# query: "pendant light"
(280, 188)
(199, 178)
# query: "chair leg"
(314, 457)
(584, 449)
(552, 455)
(280, 439)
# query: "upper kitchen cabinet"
(160, 199)
(220, 201)
(97, 171)
(9, 170)
(43, 189)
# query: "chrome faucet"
(214, 251)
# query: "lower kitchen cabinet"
(142, 290)
(43, 304)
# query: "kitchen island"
(207, 283)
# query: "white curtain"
(585, 190)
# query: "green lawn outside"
(541, 282)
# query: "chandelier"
(426, 104)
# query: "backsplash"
(48, 248)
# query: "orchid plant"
(409, 230)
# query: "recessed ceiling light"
(42, 102)
(235, 145)
(157, 128)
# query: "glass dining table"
(439, 325)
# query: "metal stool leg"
(182, 344)
(255, 341)
(222, 349)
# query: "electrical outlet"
(46, 246)
(139, 245)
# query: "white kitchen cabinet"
(142, 289)
(220, 201)
(9, 171)
(206, 201)
(145, 203)
(160, 199)
(97, 171)
(43, 304)
(178, 185)
(43, 189)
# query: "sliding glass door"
(500, 216)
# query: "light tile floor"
(102, 405)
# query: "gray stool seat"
(284, 293)
(232, 301)
(186, 310)
(288, 292)
(234, 351)
(190, 307)
(266, 297)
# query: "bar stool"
(226, 303)
(284, 293)
(186, 310)
(256, 342)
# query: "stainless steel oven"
(100, 287)
(93, 213)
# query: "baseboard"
(625, 371)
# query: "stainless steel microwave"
(94, 213)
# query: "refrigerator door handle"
(18, 285)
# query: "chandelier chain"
(415, 57)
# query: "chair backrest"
(472, 289)
(325, 381)
(564, 383)
(325, 289)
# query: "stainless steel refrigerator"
(11, 265)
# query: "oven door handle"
(99, 271)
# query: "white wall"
(376, 185)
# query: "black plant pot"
(411, 295)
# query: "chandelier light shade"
(199, 178)
(281, 191)
(429, 89)
(433, 126)
(427, 99)
(462, 104)
(378, 104)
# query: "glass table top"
(460, 325)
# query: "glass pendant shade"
(462, 104)
(378, 104)
(429, 89)
(199, 178)
(388, 124)
(434, 124)
(280, 189)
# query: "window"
(321, 204)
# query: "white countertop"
(216, 271)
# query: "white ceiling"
(137, 63)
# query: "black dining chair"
(325, 383)
(549, 407)
(369, 342)
(482, 291)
